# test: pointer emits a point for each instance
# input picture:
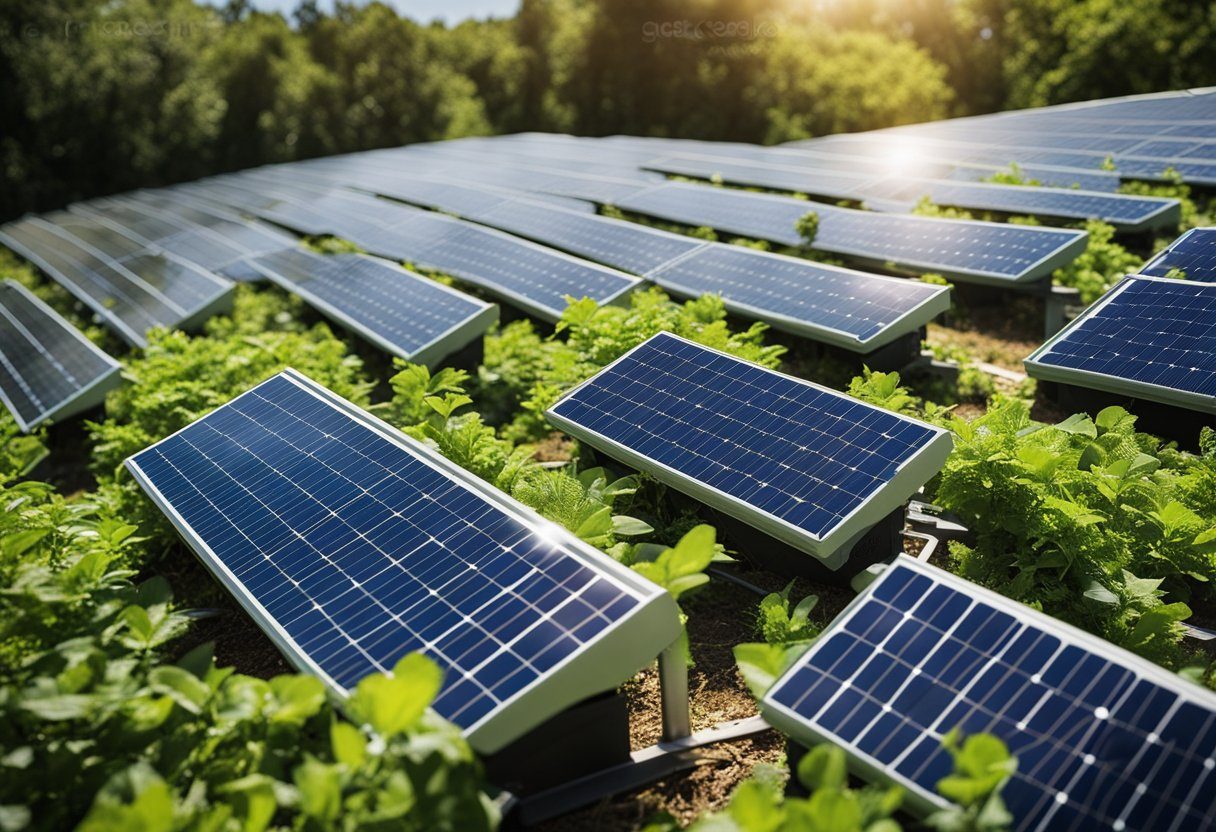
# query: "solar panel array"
(1147, 137)
(965, 250)
(48, 369)
(532, 277)
(1150, 337)
(901, 193)
(1193, 254)
(403, 313)
(1103, 739)
(809, 466)
(211, 238)
(127, 286)
(353, 545)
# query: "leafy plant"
(807, 227)
(982, 766)
(1100, 266)
(778, 624)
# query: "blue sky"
(450, 11)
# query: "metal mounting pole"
(673, 688)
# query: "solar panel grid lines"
(129, 296)
(983, 252)
(1104, 739)
(48, 369)
(1147, 337)
(351, 545)
(1194, 254)
(402, 313)
(806, 465)
(854, 310)
(1127, 212)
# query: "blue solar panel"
(48, 370)
(806, 298)
(403, 313)
(353, 545)
(806, 464)
(983, 252)
(1194, 253)
(132, 293)
(1128, 212)
(1147, 336)
(1103, 739)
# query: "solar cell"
(854, 310)
(403, 313)
(352, 545)
(1103, 738)
(1194, 254)
(809, 466)
(1150, 337)
(974, 251)
(48, 369)
(132, 294)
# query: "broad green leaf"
(253, 799)
(760, 664)
(320, 788)
(14, 818)
(835, 811)
(296, 698)
(1078, 424)
(824, 766)
(626, 526)
(182, 686)
(393, 703)
(349, 744)
(60, 707)
(754, 807)
(1099, 593)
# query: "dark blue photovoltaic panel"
(399, 310)
(986, 251)
(1194, 253)
(858, 304)
(354, 549)
(1146, 330)
(862, 184)
(803, 455)
(45, 363)
(1103, 739)
(626, 246)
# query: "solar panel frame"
(87, 396)
(635, 640)
(830, 547)
(920, 799)
(1164, 261)
(431, 353)
(1118, 385)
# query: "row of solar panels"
(375, 546)
(1152, 336)
(1139, 137)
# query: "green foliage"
(926, 207)
(778, 624)
(1195, 211)
(1100, 266)
(807, 227)
(1012, 175)
(1088, 519)
(982, 766)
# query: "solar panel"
(854, 310)
(807, 465)
(994, 253)
(1194, 254)
(132, 294)
(403, 313)
(48, 369)
(1150, 337)
(1103, 738)
(352, 545)
(1127, 212)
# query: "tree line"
(99, 96)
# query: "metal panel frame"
(602, 663)
(1114, 384)
(914, 472)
